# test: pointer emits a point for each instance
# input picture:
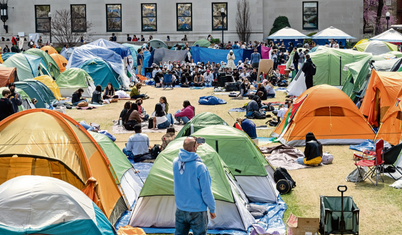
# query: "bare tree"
(69, 30)
(243, 25)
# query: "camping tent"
(66, 53)
(328, 113)
(7, 75)
(50, 63)
(51, 84)
(390, 35)
(60, 61)
(7, 55)
(133, 48)
(27, 65)
(376, 47)
(200, 121)
(390, 128)
(70, 80)
(157, 43)
(49, 143)
(122, 50)
(156, 206)
(244, 159)
(50, 50)
(332, 33)
(26, 100)
(357, 76)
(130, 183)
(38, 91)
(45, 205)
(202, 43)
(101, 72)
(287, 33)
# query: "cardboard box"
(302, 226)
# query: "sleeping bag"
(210, 100)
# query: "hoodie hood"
(185, 156)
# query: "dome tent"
(101, 72)
(49, 62)
(74, 78)
(200, 121)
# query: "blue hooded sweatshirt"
(192, 183)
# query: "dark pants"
(255, 65)
(295, 64)
(309, 81)
(138, 96)
(196, 221)
(137, 158)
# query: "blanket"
(210, 100)
(283, 156)
(237, 110)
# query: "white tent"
(298, 85)
(390, 35)
(332, 33)
(377, 48)
(287, 33)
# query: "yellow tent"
(50, 50)
(361, 41)
(60, 61)
(49, 82)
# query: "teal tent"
(51, 65)
(7, 55)
(133, 48)
(101, 72)
(36, 89)
(157, 43)
(27, 65)
(202, 43)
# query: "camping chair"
(375, 166)
(390, 158)
(167, 81)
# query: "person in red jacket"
(186, 114)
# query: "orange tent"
(382, 92)
(7, 75)
(391, 125)
(60, 61)
(48, 143)
(328, 113)
(50, 50)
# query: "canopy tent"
(328, 113)
(130, 183)
(51, 84)
(63, 149)
(156, 206)
(244, 159)
(60, 61)
(7, 75)
(120, 49)
(376, 47)
(165, 55)
(287, 33)
(27, 65)
(72, 79)
(213, 55)
(48, 206)
(66, 52)
(101, 72)
(390, 35)
(332, 33)
(39, 91)
(26, 100)
(50, 50)
(86, 52)
(200, 121)
(202, 43)
(157, 43)
(50, 63)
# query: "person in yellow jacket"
(312, 152)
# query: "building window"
(42, 21)
(217, 23)
(184, 12)
(113, 18)
(79, 18)
(148, 17)
(310, 15)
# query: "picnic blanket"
(273, 103)
(121, 130)
(210, 100)
(283, 156)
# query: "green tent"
(157, 43)
(128, 181)
(200, 121)
(26, 100)
(27, 65)
(357, 74)
(156, 204)
(202, 43)
(50, 63)
(244, 160)
(72, 79)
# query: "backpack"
(259, 115)
(284, 182)
(313, 69)
(155, 150)
(130, 125)
(150, 123)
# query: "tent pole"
(340, 70)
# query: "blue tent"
(66, 53)
(122, 50)
(7, 55)
(210, 100)
(201, 54)
(133, 48)
(101, 72)
(38, 90)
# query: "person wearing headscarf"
(231, 57)
(312, 152)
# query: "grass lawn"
(380, 208)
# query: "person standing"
(193, 191)
(113, 38)
(6, 107)
(255, 58)
(231, 57)
(308, 69)
(296, 59)
(139, 61)
(6, 49)
(128, 38)
(301, 58)
(14, 97)
(137, 147)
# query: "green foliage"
(350, 44)
(58, 49)
(309, 41)
(215, 40)
(279, 23)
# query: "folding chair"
(167, 81)
(375, 166)
(390, 159)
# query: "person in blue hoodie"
(192, 189)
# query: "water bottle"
(120, 122)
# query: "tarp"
(60, 61)
(147, 57)
(66, 53)
(51, 84)
(157, 43)
(376, 47)
(50, 50)
(101, 72)
(120, 49)
(332, 33)
(265, 52)
(7, 75)
(33, 216)
(200, 121)
(27, 65)
(390, 35)
(49, 62)
(211, 100)
(165, 55)
(214, 55)
(287, 33)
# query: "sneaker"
(176, 123)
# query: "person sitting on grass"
(137, 147)
(160, 119)
(261, 88)
(253, 106)
(164, 103)
(248, 126)
(312, 152)
(144, 116)
(132, 114)
(198, 80)
(244, 88)
(97, 95)
(125, 110)
(270, 90)
(109, 92)
(168, 137)
(185, 80)
(135, 92)
(186, 114)
(77, 97)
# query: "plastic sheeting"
(210, 100)
(165, 55)
(213, 55)
(366, 145)
(66, 53)
(122, 50)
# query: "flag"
(14, 41)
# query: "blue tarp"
(366, 145)
(66, 53)
(211, 100)
(147, 57)
(201, 54)
(122, 50)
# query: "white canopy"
(390, 35)
(332, 33)
(287, 33)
